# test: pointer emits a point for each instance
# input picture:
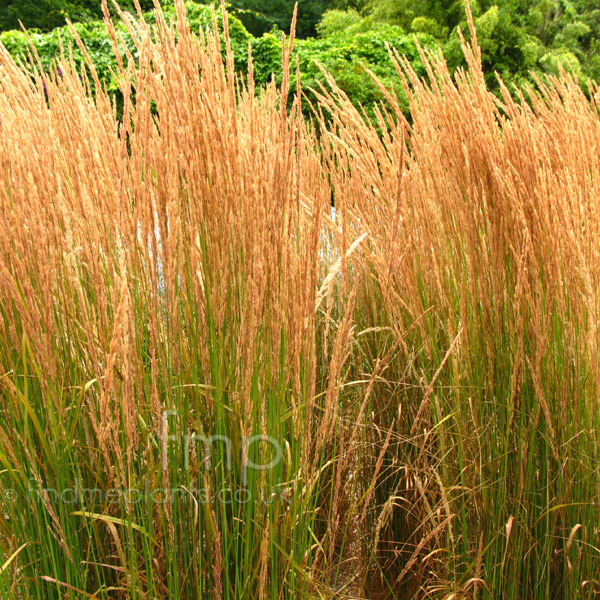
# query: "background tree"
(46, 15)
(516, 36)
(260, 16)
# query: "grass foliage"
(425, 356)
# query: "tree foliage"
(258, 16)
(518, 38)
(343, 52)
(46, 15)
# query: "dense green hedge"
(516, 36)
(98, 43)
(513, 44)
(345, 56)
(343, 53)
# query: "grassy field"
(214, 386)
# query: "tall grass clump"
(212, 385)
(482, 271)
